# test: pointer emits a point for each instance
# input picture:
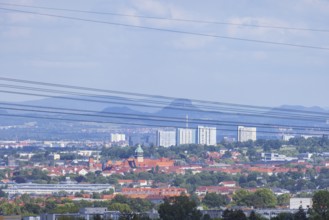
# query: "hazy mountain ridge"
(174, 114)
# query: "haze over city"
(138, 60)
(164, 110)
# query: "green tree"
(240, 197)
(32, 208)
(9, 209)
(123, 208)
(178, 181)
(179, 208)
(3, 194)
(283, 200)
(206, 217)
(264, 198)
(213, 200)
(300, 215)
(254, 216)
(320, 208)
(97, 217)
(284, 216)
(96, 195)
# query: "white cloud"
(62, 64)
(235, 30)
(156, 9)
(16, 32)
(192, 42)
(131, 20)
(152, 7)
(321, 5)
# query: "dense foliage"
(179, 208)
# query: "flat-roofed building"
(117, 138)
(207, 135)
(49, 189)
(166, 138)
(247, 134)
(186, 136)
(305, 203)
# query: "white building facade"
(207, 135)
(247, 133)
(49, 189)
(305, 203)
(117, 137)
(165, 138)
(186, 136)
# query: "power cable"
(169, 19)
(167, 30)
(158, 119)
(138, 124)
(137, 101)
(159, 97)
(288, 117)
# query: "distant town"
(164, 110)
(268, 177)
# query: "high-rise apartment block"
(118, 137)
(186, 136)
(246, 134)
(166, 138)
(207, 135)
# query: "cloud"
(16, 32)
(321, 5)
(236, 30)
(192, 42)
(17, 17)
(152, 7)
(62, 64)
(157, 9)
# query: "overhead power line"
(168, 98)
(155, 103)
(167, 30)
(142, 124)
(132, 117)
(169, 19)
(87, 113)
(242, 113)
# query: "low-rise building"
(144, 192)
(276, 157)
(49, 189)
(305, 203)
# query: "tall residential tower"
(246, 134)
(186, 136)
(207, 135)
(165, 138)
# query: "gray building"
(166, 138)
(247, 134)
(186, 136)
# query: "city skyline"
(144, 61)
(164, 109)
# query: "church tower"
(139, 154)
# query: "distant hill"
(125, 112)
(121, 110)
(68, 103)
(299, 111)
(101, 103)
(303, 108)
(180, 108)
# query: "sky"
(57, 50)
